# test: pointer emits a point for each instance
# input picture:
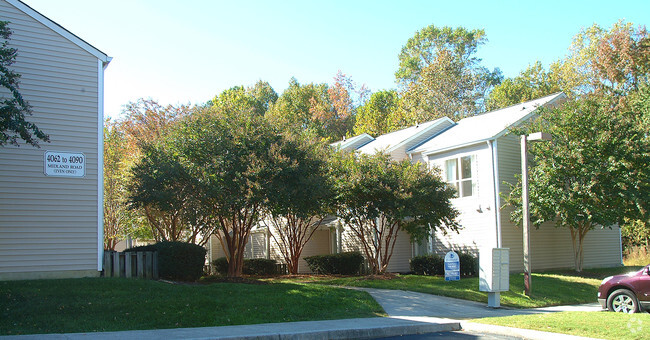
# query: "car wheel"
(622, 300)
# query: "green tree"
(380, 197)
(227, 156)
(379, 114)
(254, 100)
(293, 109)
(532, 83)
(593, 174)
(165, 190)
(300, 194)
(440, 76)
(14, 108)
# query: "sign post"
(452, 266)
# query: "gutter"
(495, 175)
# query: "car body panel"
(637, 282)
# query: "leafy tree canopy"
(440, 76)
(593, 174)
(532, 83)
(14, 108)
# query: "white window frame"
(457, 178)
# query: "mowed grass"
(111, 304)
(548, 289)
(601, 325)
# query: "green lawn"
(549, 289)
(109, 304)
(602, 325)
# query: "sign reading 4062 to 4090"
(65, 164)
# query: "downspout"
(620, 244)
(497, 203)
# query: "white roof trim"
(60, 30)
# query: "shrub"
(221, 265)
(259, 267)
(428, 265)
(468, 264)
(251, 266)
(177, 260)
(348, 263)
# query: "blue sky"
(188, 51)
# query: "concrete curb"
(517, 332)
(366, 328)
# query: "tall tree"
(14, 109)
(592, 175)
(227, 156)
(254, 100)
(379, 115)
(380, 197)
(165, 190)
(532, 83)
(119, 221)
(612, 61)
(440, 75)
(300, 195)
(293, 109)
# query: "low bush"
(348, 263)
(251, 266)
(468, 264)
(178, 261)
(221, 265)
(259, 267)
(428, 265)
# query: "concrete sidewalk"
(367, 328)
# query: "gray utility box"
(494, 273)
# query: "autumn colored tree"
(612, 62)
(300, 195)
(594, 174)
(119, 221)
(14, 109)
(294, 107)
(380, 198)
(440, 76)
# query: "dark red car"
(628, 293)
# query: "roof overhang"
(61, 31)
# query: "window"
(460, 175)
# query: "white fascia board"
(420, 133)
(60, 30)
(560, 97)
(459, 146)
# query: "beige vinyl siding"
(49, 224)
(477, 218)
(319, 244)
(551, 247)
(402, 254)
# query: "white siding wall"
(48, 225)
(477, 217)
(550, 247)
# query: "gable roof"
(393, 140)
(487, 126)
(353, 143)
(60, 30)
